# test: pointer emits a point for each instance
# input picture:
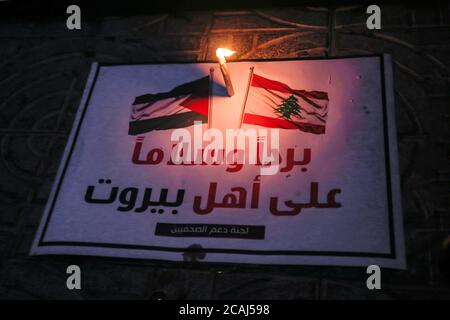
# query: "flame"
(221, 53)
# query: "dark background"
(43, 68)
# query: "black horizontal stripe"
(179, 120)
(199, 87)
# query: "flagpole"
(211, 83)
(246, 95)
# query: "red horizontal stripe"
(282, 123)
(259, 81)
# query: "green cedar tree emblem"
(289, 107)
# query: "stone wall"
(43, 67)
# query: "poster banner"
(299, 166)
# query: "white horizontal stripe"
(263, 102)
(158, 109)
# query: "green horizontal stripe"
(179, 120)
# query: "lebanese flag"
(274, 104)
(177, 108)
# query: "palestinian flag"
(274, 104)
(177, 108)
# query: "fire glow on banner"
(328, 196)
